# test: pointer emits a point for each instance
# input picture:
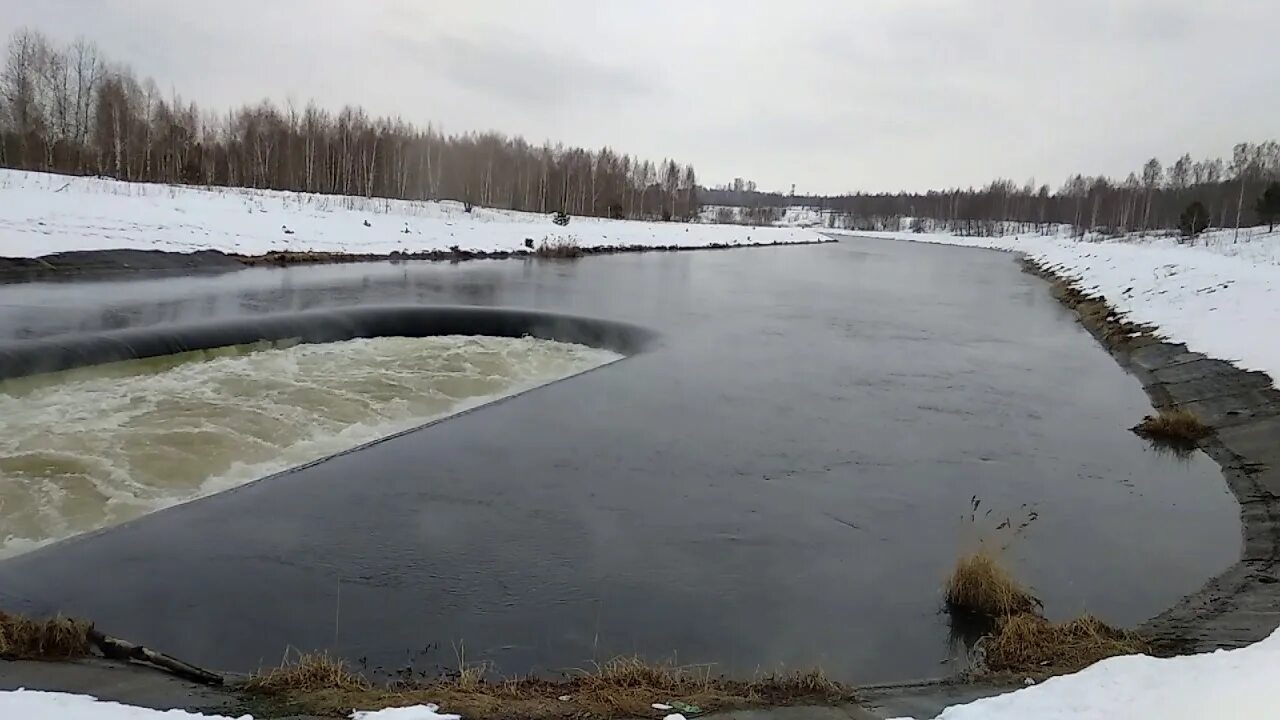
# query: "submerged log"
(117, 649)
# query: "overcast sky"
(831, 95)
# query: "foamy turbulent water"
(95, 447)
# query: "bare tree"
(1242, 164)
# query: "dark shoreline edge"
(1241, 605)
(78, 264)
(22, 358)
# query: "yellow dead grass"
(58, 638)
(622, 687)
(1030, 644)
(980, 584)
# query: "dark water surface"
(780, 482)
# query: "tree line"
(1156, 197)
(68, 109)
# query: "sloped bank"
(1242, 605)
(81, 263)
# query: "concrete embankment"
(1242, 605)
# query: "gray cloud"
(520, 72)
(828, 94)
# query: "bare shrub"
(558, 246)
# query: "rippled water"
(99, 446)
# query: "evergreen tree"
(1268, 207)
(1194, 220)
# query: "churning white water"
(94, 447)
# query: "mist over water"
(90, 448)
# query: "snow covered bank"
(1224, 684)
(42, 213)
(1219, 297)
(31, 705)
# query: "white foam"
(93, 448)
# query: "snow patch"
(33, 705)
(1222, 684)
(416, 712)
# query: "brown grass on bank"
(1095, 314)
(1177, 426)
(559, 247)
(58, 638)
(622, 687)
(308, 672)
(277, 258)
(980, 584)
(1030, 644)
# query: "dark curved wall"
(319, 326)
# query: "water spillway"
(95, 446)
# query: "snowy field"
(1225, 685)
(42, 213)
(1220, 297)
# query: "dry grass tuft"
(1175, 426)
(1029, 644)
(785, 687)
(634, 672)
(622, 687)
(470, 678)
(980, 584)
(308, 672)
(558, 247)
(58, 638)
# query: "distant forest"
(70, 110)
(1156, 197)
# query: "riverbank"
(1185, 321)
(62, 224)
(1242, 605)
(106, 263)
(1236, 610)
(142, 687)
(1213, 296)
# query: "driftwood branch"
(117, 649)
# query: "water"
(87, 449)
(781, 480)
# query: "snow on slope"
(42, 213)
(1225, 685)
(1220, 298)
(32, 705)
